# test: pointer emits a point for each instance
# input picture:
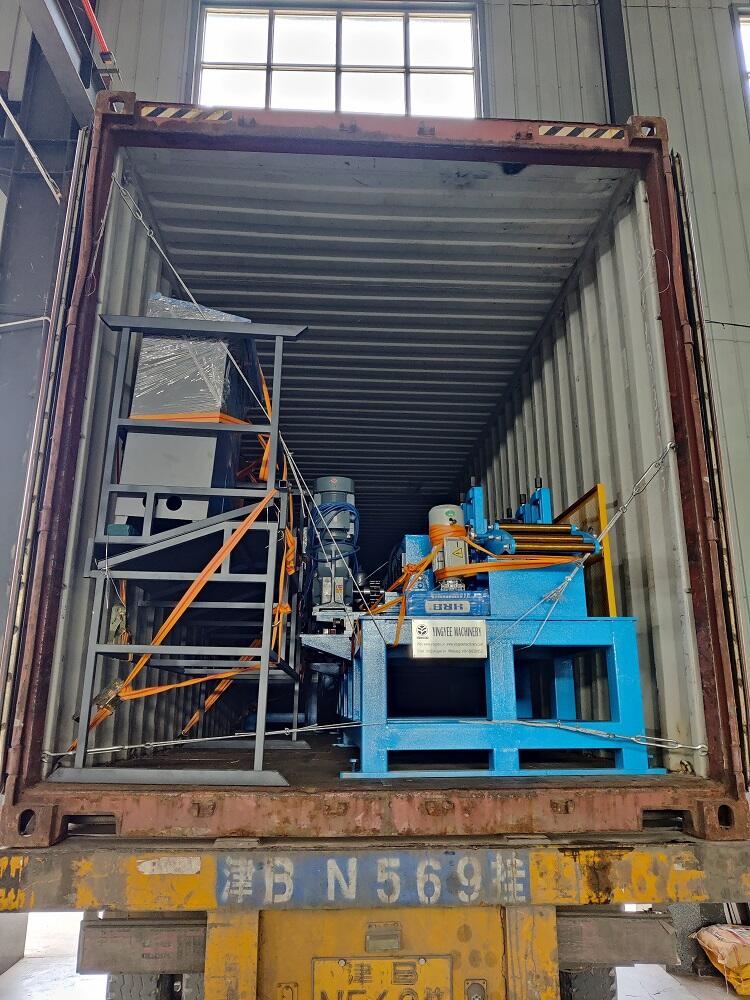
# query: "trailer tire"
(139, 986)
(595, 983)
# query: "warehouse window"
(394, 62)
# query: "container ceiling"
(422, 282)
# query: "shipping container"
(488, 301)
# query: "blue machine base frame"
(507, 729)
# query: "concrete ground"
(47, 972)
(651, 982)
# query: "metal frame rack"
(507, 729)
(149, 559)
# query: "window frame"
(740, 15)
(340, 7)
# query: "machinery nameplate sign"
(448, 638)
(448, 607)
(418, 978)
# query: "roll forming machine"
(482, 660)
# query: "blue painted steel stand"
(536, 620)
(503, 732)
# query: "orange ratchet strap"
(413, 571)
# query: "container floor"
(317, 761)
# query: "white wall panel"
(151, 41)
(544, 60)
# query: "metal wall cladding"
(685, 66)
(133, 271)
(151, 40)
(15, 39)
(541, 60)
(591, 404)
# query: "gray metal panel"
(15, 39)
(591, 404)
(684, 66)
(60, 49)
(544, 61)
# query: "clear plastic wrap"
(189, 374)
(182, 375)
(164, 307)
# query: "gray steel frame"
(183, 658)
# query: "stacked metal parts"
(482, 657)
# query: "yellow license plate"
(382, 978)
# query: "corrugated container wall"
(591, 404)
(543, 60)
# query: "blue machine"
(526, 630)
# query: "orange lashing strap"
(208, 704)
(134, 694)
(411, 574)
(288, 569)
(184, 603)
(207, 417)
(506, 563)
(438, 533)
(264, 439)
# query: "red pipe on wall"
(104, 49)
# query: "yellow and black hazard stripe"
(184, 112)
(582, 132)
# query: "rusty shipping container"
(569, 345)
